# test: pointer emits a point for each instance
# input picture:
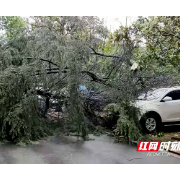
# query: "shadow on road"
(171, 128)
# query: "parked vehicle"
(161, 106)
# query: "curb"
(174, 152)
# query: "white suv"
(161, 106)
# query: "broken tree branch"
(49, 61)
(104, 55)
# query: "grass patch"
(166, 136)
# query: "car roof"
(167, 90)
(163, 89)
(174, 88)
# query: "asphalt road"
(67, 150)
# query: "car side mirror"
(167, 98)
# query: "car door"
(170, 110)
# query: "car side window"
(175, 95)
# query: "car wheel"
(151, 123)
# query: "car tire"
(151, 123)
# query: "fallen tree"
(57, 59)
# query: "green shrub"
(128, 127)
(23, 123)
(98, 131)
(20, 119)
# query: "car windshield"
(151, 95)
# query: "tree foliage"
(12, 25)
(57, 53)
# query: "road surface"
(67, 150)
